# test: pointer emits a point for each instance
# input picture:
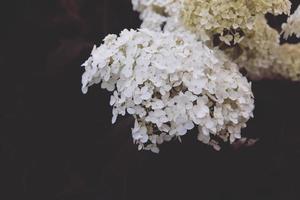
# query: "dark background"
(56, 143)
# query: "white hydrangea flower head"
(170, 83)
(293, 25)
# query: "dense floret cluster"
(193, 87)
(180, 71)
(230, 20)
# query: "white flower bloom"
(170, 83)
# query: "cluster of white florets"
(293, 24)
(159, 14)
(170, 83)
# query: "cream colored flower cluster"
(293, 24)
(257, 52)
(287, 63)
(230, 20)
(170, 83)
(262, 55)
